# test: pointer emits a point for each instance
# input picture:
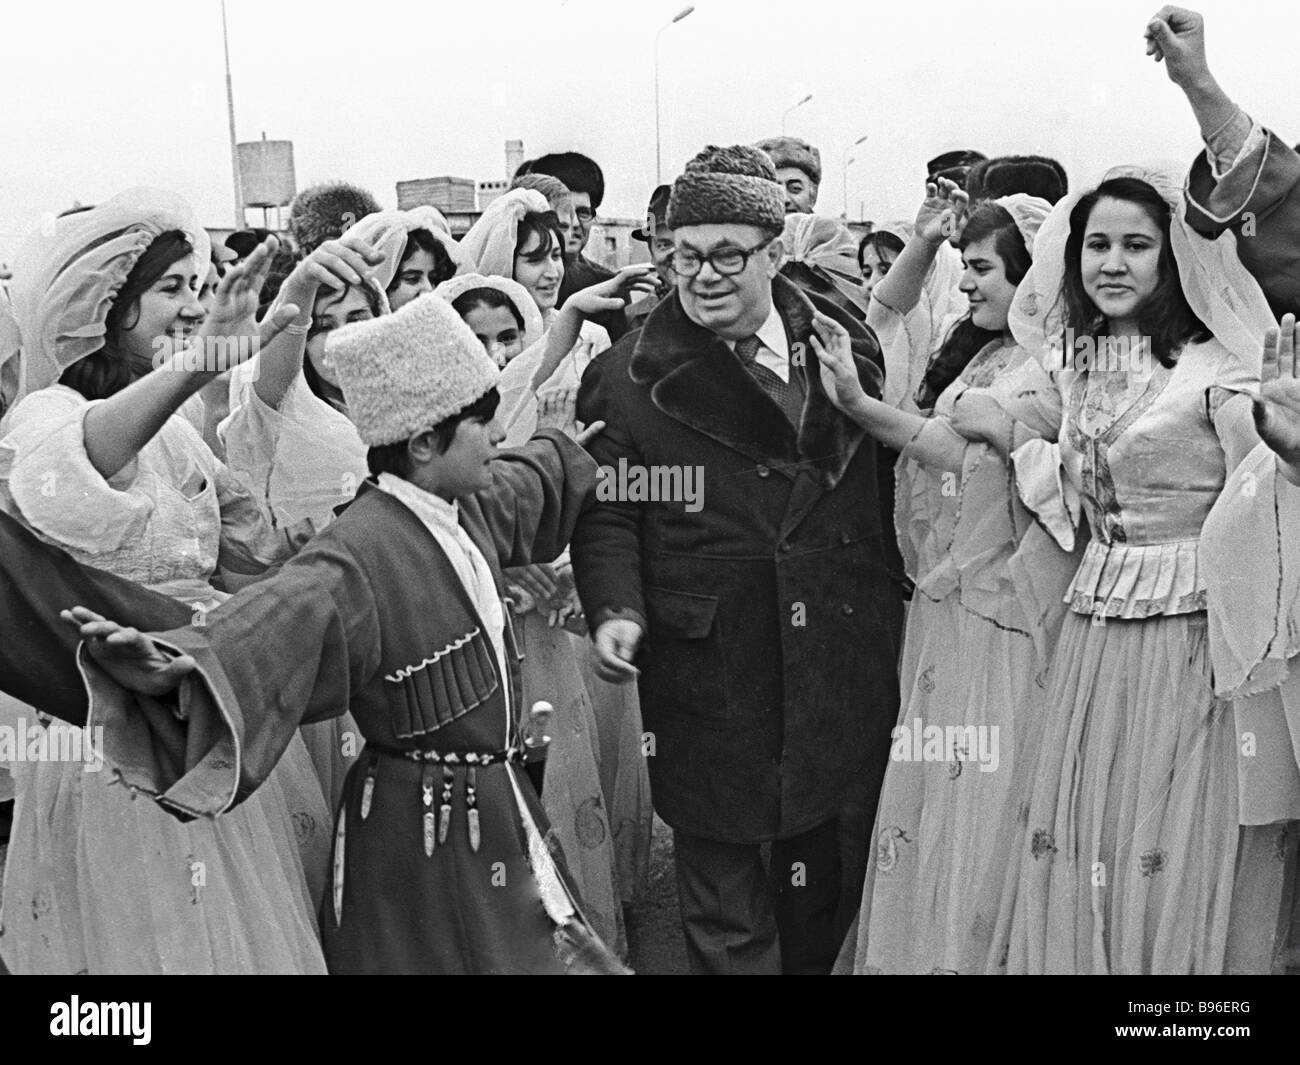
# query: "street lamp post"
(230, 117)
(659, 179)
(847, 163)
(792, 107)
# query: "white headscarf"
(69, 271)
(490, 243)
(1220, 291)
(515, 292)
(1029, 213)
(389, 231)
(823, 242)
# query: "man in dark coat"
(736, 557)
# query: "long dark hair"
(108, 370)
(1166, 317)
(882, 242)
(966, 339)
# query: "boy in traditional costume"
(441, 861)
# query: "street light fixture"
(847, 163)
(792, 107)
(659, 179)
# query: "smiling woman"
(539, 258)
(1121, 277)
(98, 463)
(1134, 856)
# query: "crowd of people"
(971, 653)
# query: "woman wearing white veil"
(1132, 856)
(984, 618)
(94, 459)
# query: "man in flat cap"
(798, 168)
(756, 611)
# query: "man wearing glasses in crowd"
(762, 626)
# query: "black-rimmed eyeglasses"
(726, 261)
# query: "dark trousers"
(788, 914)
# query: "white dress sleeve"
(57, 490)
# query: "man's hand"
(128, 656)
(1277, 409)
(1177, 36)
(616, 644)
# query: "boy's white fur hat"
(405, 372)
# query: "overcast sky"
(100, 96)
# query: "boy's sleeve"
(537, 492)
(38, 650)
(291, 649)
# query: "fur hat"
(1036, 175)
(405, 372)
(954, 165)
(721, 185)
(325, 211)
(791, 151)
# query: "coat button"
(783, 546)
(763, 471)
(847, 609)
(845, 538)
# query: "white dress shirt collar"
(775, 352)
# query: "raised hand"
(557, 409)
(839, 372)
(1277, 408)
(1177, 36)
(943, 213)
(127, 655)
(336, 263)
(614, 293)
(234, 309)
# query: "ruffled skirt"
(945, 827)
(1129, 849)
(101, 883)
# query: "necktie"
(788, 397)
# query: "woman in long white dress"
(985, 612)
(1133, 855)
(93, 459)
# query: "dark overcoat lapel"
(697, 380)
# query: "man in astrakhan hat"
(757, 616)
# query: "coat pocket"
(427, 695)
(684, 669)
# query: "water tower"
(266, 176)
